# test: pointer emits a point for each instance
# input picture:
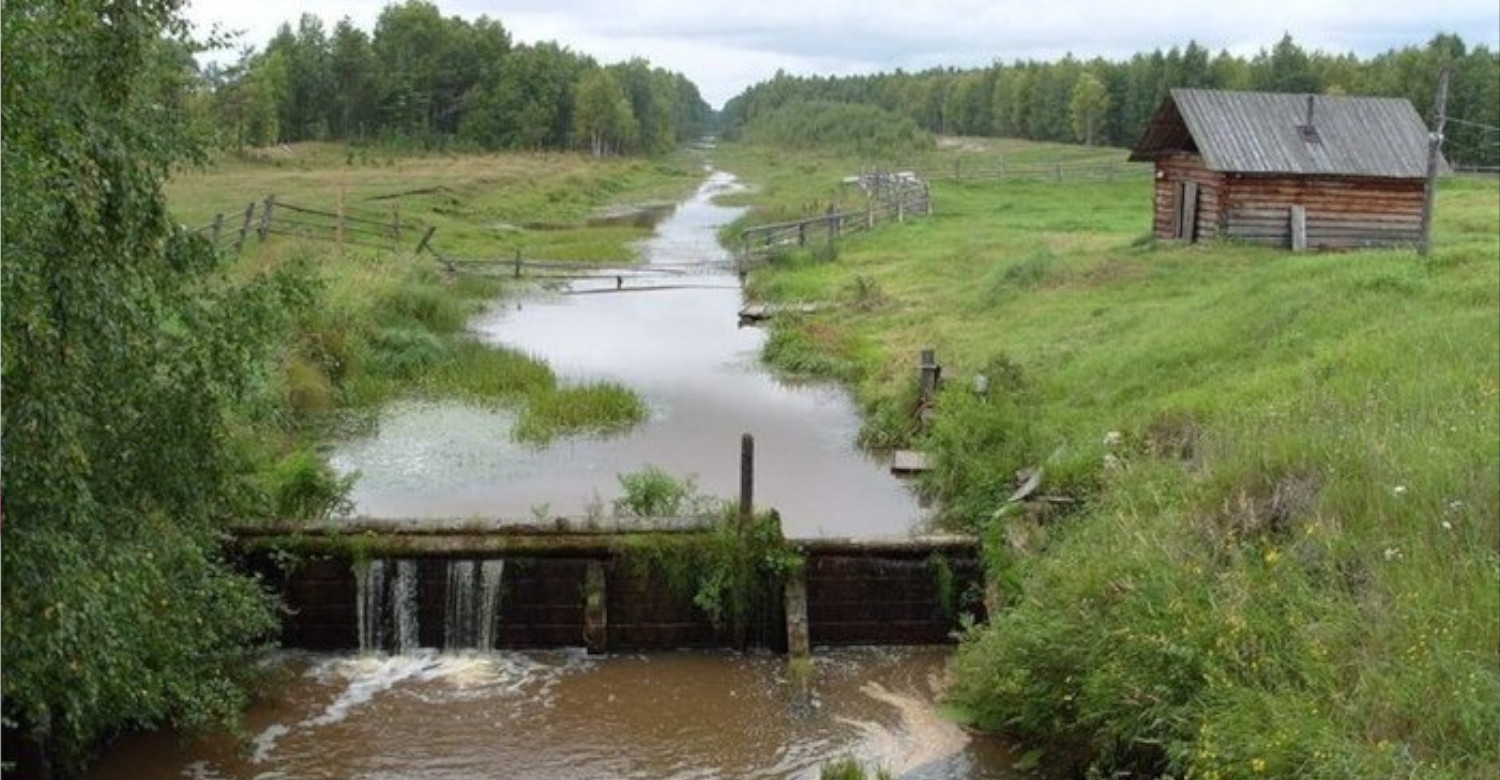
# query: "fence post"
(747, 480)
(518, 262)
(1058, 171)
(265, 217)
(900, 207)
(927, 197)
(869, 213)
(338, 230)
(425, 238)
(239, 243)
(956, 170)
(801, 234)
(218, 228)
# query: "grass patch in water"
(592, 408)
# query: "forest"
(1098, 101)
(426, 80)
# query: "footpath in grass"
(372, 325)
(1280, 555)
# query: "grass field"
(1283, 562)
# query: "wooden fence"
(999, 170)
(345, 226)
(890, 196)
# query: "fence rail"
(890, 196)
(268, 217)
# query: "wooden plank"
(1190, 211)
(1299, 228)
(908, 462)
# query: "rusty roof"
(1266, 132)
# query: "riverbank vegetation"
(1274, 553)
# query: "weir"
(526, 587)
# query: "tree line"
(425, 79)
(1099, 101)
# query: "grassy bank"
(373, 325)
(1282, 559)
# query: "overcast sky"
(726, 46)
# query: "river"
(566, 715)
(683, 350)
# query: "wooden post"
(265, 217)
(1434, 157)
(927, 197)
(798, 637)
(1299, 228)
(239, 243)
(518, 262)
(396, 223)
(931, 374)
(338, 230)
(425, 238)
(900, 208)
(956, 169)
(869, 214)
(1058, 172)
(217, 229)
(595, 609)
(801, 234)
(747, 481)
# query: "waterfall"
(385, 607)
(369, 602)
(404, 603)
(473, 612)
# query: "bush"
(403, 352)
(303, 487)
(865, 130)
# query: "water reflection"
(679, 345)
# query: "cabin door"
(1187, 212)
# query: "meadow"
(1276, 554)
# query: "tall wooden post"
(265, 217)
(518, 262)
(747, 481)
(395, 224)
(217, 229)
(338, 230)
(239, 243)
(1434, 159)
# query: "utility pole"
(1434, 158)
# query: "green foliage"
(304, 487)
(595, 408)
(862, 129)
(1282, 563)
(123, 354)
(652, 492)
(1110, 102)
(426, 81)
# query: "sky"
(725, 47)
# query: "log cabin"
(1347, 172)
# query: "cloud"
(727, 46)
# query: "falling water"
(473, 604)
(404, 599)
(369, 595)
(386, 605)
(490, 573)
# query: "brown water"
(684, 352)
(565, 716)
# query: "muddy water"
(564, 716)
(670, 333)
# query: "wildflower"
(1393, 553)
(1113, 438)
(1257, 765)
(1272, 556)
(1447, 526)
(1399, 490)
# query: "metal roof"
(1263, 132)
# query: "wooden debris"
(909, 462)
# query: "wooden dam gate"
(577, 585)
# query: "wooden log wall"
(1342, 212)
(1174, 171)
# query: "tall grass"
(1283, 559)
